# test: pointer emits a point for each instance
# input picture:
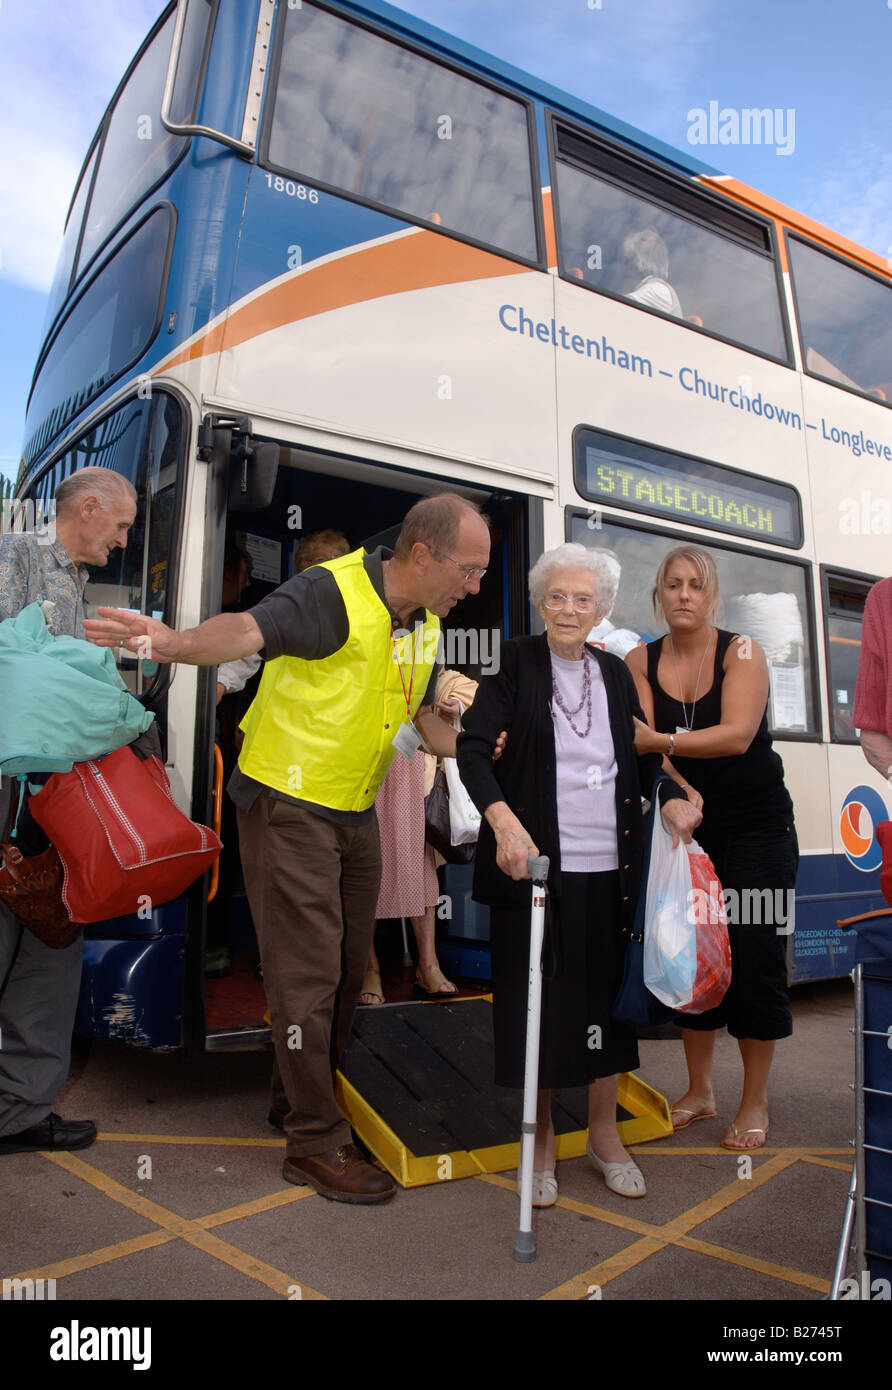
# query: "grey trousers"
(37, 1010)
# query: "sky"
(822, 65)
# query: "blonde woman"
(705, 694)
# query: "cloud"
(58, 74)
(629, 58)
(858, 204)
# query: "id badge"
(407, 740)
(682, 729)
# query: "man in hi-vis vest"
(349, 683)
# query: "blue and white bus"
(323, 259)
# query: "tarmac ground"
(182, 1199)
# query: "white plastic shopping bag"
(464, 818)
(670, 931)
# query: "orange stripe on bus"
(416, 262)
(797, 222)
(550, 234)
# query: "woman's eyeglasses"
(581, 603)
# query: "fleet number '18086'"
(294, 190)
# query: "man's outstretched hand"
(135, 633)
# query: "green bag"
(63, 699)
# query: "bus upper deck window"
(845, 321)
(643, 238)
(364, 115)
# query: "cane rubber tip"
(524, 1247)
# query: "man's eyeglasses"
(469, 571)
(581, 603)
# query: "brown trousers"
(313, 887)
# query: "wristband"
(671, 745)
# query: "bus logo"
(862, 811)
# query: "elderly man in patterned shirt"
(39, 986)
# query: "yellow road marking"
(828, 1163)
(763, 1149)
(217, 1140)
(610, 1218)
(734, 1257)
(652, 1238)
(656, 1238)
(578, 1287)
(76, 1263)
(726, 1196)
(259, 1204)
(190, 1231)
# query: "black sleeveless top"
(745, 790)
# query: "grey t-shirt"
(306, 617)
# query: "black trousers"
(759, 867)
(583, 955)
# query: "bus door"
(366, 502)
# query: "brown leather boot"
(340, 1174)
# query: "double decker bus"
(323, 260)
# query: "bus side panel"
(133, 989)
(637, 374)
(408, 338)
(850, 442)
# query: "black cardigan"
(518, 699)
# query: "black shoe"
(277, 1120)
(51, 1133)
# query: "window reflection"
(142, 441)
(108, 329)
(615, 240)
(761, 597)
(357, 112)
(137, 149)
(845, 617)
(845, 321)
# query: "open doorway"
(366, 502)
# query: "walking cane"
(525, 1243)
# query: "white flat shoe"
(545, 1188)
(626, 1179)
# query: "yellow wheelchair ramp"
(416, 1085)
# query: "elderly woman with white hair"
(568, 785)
(645, 254)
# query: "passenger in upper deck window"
(645, 254)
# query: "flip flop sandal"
(739, 1133)
(693, 1115)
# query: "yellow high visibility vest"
(322, 731)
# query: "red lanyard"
(407, 694)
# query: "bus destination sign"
(635, 476)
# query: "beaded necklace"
(586, 699)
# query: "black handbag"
(634, 1005)
(437, 830)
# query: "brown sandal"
(371, 984)
(433, 984)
